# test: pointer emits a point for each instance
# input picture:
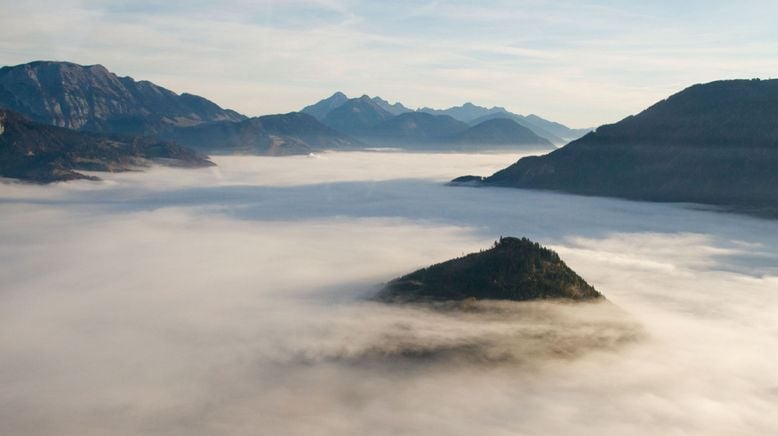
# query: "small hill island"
(513, 269)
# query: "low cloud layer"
(232, 300)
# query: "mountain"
(320, 109)
(513, 269)
(414, 128)
(501, 131)
(292, 133)
(323, 107)
(467, 113)
(556, 133)
(394, 109)
(91, 98)
(715, 143)
(42, 153)
(472, 114)
(356, 116)
(555, 128)
(361, 115)
(522, 120)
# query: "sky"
(582, 63)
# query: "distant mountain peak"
(356, 115)
(393, 108)
(468, 112)
(320, 109)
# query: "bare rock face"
(92, 98)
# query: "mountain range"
(91, 99)
(360, 116)
(714, 143)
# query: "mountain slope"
(394, 109)
(361, 115)
(465, 113)
(522, 120)
(92, 98)
(472, 114)
(501, 131)
(356, 116)
(554, 128)
(320, 109)
(715, 143)
(415, 128)
(292, 133)
(41, 153)
(513, 269)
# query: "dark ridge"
(715, 143)
(501, 131)
(42, 153)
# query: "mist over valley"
(237, 298)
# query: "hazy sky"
(583, 63)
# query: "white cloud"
(583, 64)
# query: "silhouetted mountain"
(394, 109)
(420, 129)
(501, 131)
(522, 120)
(715, 143)
(359, 117)
(323, 107)
(292, 133)
(356, 116)
(91, 98)
(42, 153)
(555, 128)
(414, 128)
(513, 269)
(472, 114)
(465, 113)
(320, 109)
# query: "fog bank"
(232, 300)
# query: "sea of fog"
(233, 300)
